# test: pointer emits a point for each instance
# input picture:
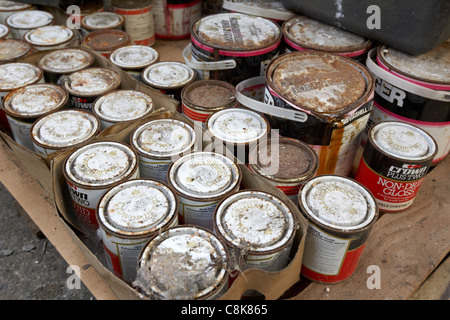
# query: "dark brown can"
(106, 41)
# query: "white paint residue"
(134, 56)
(169, 74)
(16, 75)
(49, 35)
(65, 60)
(35, 100)
(30, 19)
(123, 106)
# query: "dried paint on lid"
(137, 207)
(13, 5)
(49, 35)
(134, 56)
(236, 31)
(123, 105)
(11, 49)
(16, 75)
(237, 125)
(338, 202)
(204, 175)
(65, 61)
(403, 140)
(209, 94)
(106, 39)
(319, 82)
(168, 75)
(92, 82)
(163, 138)
(102, 20)
(4, 31)
(29, 19)
(100, 164)
(64, 128)
(433, 66)
(183, 262)
(254, 220)
(314, 34)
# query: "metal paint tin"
(129, 215)
(134, 59)
(395, 162)
(122, 106)
(106, 41)
(91, 170)
(340, 213)
(285, 163)
(63, 129)
(249, 43)
(138, 22)
(8, 8)
(5, 32)
(101, 21)
(257, 225)
(202, 98)
(413, 89)
(332, 96)
(50, 37)
(25, 105)
(63, 62)
(13, 49)
(201, 180)
(86, 85)
(269, 9)
(169, 77)
(303, 34)
(24, 21)
(159, 143)
(184, 262)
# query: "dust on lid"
(168, 74)
(65, 61)
(338, 202)
(163, 138)
(13, 5)
(108, 39)
(403, 140)
(134, 56)
(262, 8)
(238, 125)
(255, 221)
(102, 20)
(11, 49)
(92, 81)
(4, 31)
(65, 128)
(123, 105)
(29, 19)
(236, 31)
(49, 35)
(17, 74)
(204, 175)
(100, 164)
(137, 206)
(209, 94)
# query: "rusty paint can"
(184, 262)
(5, 32)
(63, 62)
(23, 21)
(332, 96)
(129, 215)
(285, 163)
(86, 85)
(134, 59)
(202, 98)
(341, 213)
(101, 21)
(91, 170)
(25, 105)
(13, 49)
(59, 130)
(395, 162)
(159, 143)
(8, 8)
(106, 41)
(201, 180)
(122, 106)
(50, 38)
(269, 9)
(138, 22)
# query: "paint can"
(269, 9)
(184, 263)
(101, 21)
(50, 38)
(91, 170)
(129, 215)
(86, 85)
(8, 8)
(133, 59)
(106, 41)
(59, 130)
(121, 106)
(5, 32)
(23, 21)
(201, 180)
(285, 163)
(341, 213)
(159, 143)
(394, 164)
(12, 50)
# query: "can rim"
(112, 57)
(116, 82)
(20, 54)
(89, 62)
(190, 78)
(48, 15)
(38, 71)
(87, 39)
(198, 83)
(26, 36)
(85, 25)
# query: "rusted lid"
(168, 74)
(8, 6)
(134, 56)
(209, 95)
(92, 81)
(29, 19)
(12, 49)
(16, 75)
(49, 36)
(319, 82)
(102, 20)
(106, 40)
(66, 61)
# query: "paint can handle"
(204, 65)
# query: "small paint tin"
(134, 59)
(106, 41)
(129, 215)
(13, 49)
(25, 105)
(91, 170)
(285, 163)
(5, 32)
(122, 106)
(159, 143)
(394, 164)
(63, 62)
(184, 263)
(341, 213)
(63, 129)
(201, 180)
(202, 98)
(269, 9)
(8, 8)
(26, 20)
(101, 21)
(169, 77)
(85, 86)
(257, 225)
(50, 37)
(139, 22)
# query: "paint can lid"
(102, 20)
(49, 35)
(64, 61)
(11, 49)
(92, 82)
(106, 40)
(209, 95)
(17, 74)
(29, 19)
(134, 56)
(168, 75)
